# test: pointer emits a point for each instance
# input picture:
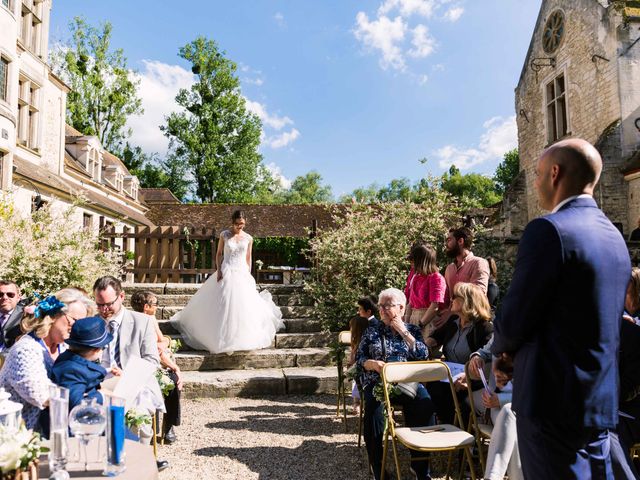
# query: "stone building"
(581, 78)
(41, 158)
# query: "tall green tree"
(471, 189)
(507, 171)
(308, 189)
(103, 89)
(215, 134)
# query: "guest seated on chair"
(367, 309)
(391, 340)
(25, 374)
(76, 369)
(468, 329)
(147, 303)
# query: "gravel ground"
(280, 438)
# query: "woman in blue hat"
(78, 369)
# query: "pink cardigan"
(422, 290)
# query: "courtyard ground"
(280, 438)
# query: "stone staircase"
(298, 361)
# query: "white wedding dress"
(230, 315)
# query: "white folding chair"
(438, 438)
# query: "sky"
(357, 90)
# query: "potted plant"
(139, 422)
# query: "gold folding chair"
(344, 338)
(438, 438)
(480, 430)
(634, 451)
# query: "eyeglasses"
(107, 305)
(388, 306)
(7, 294)
(155, 304)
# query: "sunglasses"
(7, 294)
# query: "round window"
(553, 32)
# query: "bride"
(228, 313)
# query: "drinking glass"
(58, 432)
(87, 420)
(115, 436)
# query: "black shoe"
(162, 465)
(170, 437)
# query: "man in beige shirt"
(466, 267)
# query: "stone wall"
(588, 58)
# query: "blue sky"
(356, 90)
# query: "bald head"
(581, 162)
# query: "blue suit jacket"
(79, 375)
(561, 317)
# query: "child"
(79, 369)
(357, 326)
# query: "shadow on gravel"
(312, 460)
(291, 408)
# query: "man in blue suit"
(560, 320)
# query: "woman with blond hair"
(47, 324)
(467, 329)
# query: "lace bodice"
(235, 250)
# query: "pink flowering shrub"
(47, 251)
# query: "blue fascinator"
(49, 306)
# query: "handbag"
(410, 389)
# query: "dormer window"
(131, 186)
(114, 177)
(93, 164)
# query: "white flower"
(11, 453)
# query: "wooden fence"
(170, 254)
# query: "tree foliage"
(471, 189)
(103, 91)
(507, 171)
(366, 252)
(215, 135)
(308, 189)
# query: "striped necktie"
(114, 348)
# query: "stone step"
(292, 325)
(173, 300)
(191, 288)
(165, 313)
(250, 383)
(285, 340)
(265, 358)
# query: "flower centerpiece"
(19, 452)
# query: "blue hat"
(89, 332)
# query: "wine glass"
(86, 421)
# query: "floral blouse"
(397, 350)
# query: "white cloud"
(283, 139)
(385, 35)
(423, 79)
(438, 67)
(159, 85)
(279, 18)
(453, 14)
(407, 8)
(276, 173)
(500, 136)
(253, 81)
(423, 43)
(272, 121)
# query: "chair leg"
(467, 451)
(395, 457)
(155, 435)
(449, 460)
(384, 453)
(360, 424)
(481, 456)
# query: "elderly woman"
(25, 374)
(391, 340)
(467, 330)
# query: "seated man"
(133, 333)
(10, 314)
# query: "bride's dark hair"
(238, 214)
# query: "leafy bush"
(43, 254)
(367, 251)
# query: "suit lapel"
(124, 334)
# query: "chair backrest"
(473, 418)
(429, 371)
(344, 337)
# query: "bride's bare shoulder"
(248, 237)
(225, 234)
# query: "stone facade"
(593, 75)
(39, 153)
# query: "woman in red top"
(425, 289)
